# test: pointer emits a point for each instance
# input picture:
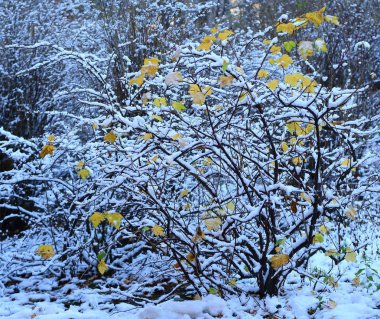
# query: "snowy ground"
(41, 298)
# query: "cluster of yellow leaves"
(279, 260)
(206, 43)
(49, 148)
(208, 40)
(199, 94)
(45, 251)
(302, 81)
(83, 172)
(316, 17)
(114, 219)
(149, 68)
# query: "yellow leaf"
(279, 260)
(158, 230)
(199, 95)
(356, 281)
(351, 212)
(320, 45)
(114, 219)
(350, 255)
(212, 223)
(346, 162)
(305, 197)
(316, 17)
(331, 252)
(305, 49)
(206, 43)
(323, 229)
(147, 136)
(96, 218)
(230, 206)
(138, 80)
(102, 266)
(207, 161)
(159, 101)
(225, 34)
(45, 251)
(272, 84)
(331, 304)
(94, 126)
(284, 61)
(84, 173)
(297, 160)
(318, 238)
(267, 41)
(184, 193)
(157, 117)
(294, 127)
(278, 249)
(110, 137)
(79, 165)
(225, 80)
(275, 49)
(284, 147)
(332, 19)
(308, 85)
(262, 74)
(176, 136)
(51, 138)
(150, 66)
(178, 106)
(232, 282)
(214, 30)
(47, 150)
(286, 28)
(293, 79)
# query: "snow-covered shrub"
(224, 168)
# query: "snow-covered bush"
(225, 168)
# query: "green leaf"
(212, 291)
(101, 255)
(225, 66)
(179, 106)
(289, 45)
